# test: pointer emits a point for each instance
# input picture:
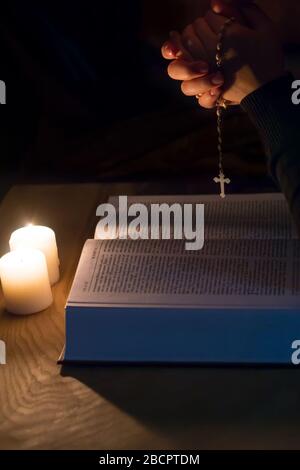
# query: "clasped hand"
(252, 53)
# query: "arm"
(278, 121)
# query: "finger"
(219, 4)
(193, 44)
(175, 38)
(169, 51)
(214, 21)
(207, 37)
(257, 19)
(229, 9)
(209, 99)
(202, 85)
(182, 70)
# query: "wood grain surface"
(45, 406)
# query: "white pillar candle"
(38, 238)
(25, 281)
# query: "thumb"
(229, 8)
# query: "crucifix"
(222, 180)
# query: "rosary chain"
(221, 104)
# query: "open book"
(235, 301)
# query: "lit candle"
(25, 281)
(38, 238)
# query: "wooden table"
(43, 406)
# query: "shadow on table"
(177, 397)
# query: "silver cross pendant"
(222, 181)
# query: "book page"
(226, 273)
(258, 216)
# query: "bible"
(236, 301)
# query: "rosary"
(221, 106)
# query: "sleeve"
(278, 121)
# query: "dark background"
(88, 97)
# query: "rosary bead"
(221, 105)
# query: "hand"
(252, 55)
(189, 69)
(174, 48)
